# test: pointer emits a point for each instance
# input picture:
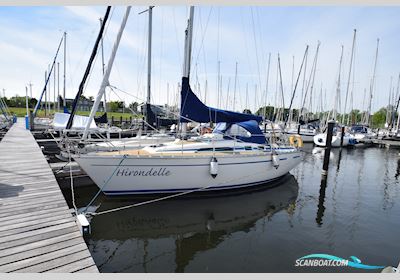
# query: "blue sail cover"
(229, 132)
(192, 109)
(256, 134)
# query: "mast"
(108, 71)
(348, 80)
(218, 84)
(65, 66)
(304, 83)
(247, 95)
(276, 90)
(54, 90)
(58, 86)
(234, 88)
(338, 87)
(388, 115)
(47, 78)
(168, 101)
(297, 81)
(255, 98)
(48, 100)
(86, 74)
(227, 93)
(291, 89)
(187, 54)
(103, 65)
(45, 97)
(188, 44)
(266, 87)
(313, 75)
(205, 92)
(147, 105)
(281, 86)
(371, 88)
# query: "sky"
(223, 38)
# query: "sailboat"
(235, 155)
(320, 139)
(140, 140)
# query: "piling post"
(112, 120)
(31, 121)
(321, 201)
(341, 137)
(327, 153)
(298, 129)
(120, 121)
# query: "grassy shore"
(21, 112)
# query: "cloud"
(243, 34)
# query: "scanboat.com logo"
(329, 260)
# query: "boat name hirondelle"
(162, 171)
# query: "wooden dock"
(37, 230)
(386, 143)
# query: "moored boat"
(211, 162)
(236, 155)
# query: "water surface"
(356, 212)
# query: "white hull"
(307, 138)
(364, 138)
(174, 173)
(320, 140)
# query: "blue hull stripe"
(267, 149)
(248, 162)
(120, 192)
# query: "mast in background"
(348, 80)
(65, 67)
(338, 87)
(371, 88)
(103, 65)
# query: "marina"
(166, 236)
(264, 169)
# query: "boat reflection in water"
(160, 236)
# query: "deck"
(386, 142)
(37, 230)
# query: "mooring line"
(105, 184)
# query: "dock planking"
(37, 230)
